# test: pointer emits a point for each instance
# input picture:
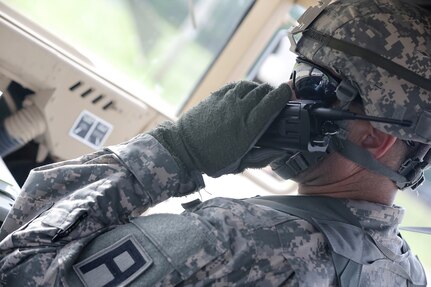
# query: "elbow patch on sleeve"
(146, 251)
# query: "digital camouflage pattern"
(100, 191)
(245, 244)
(393, 29)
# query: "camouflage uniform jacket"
(63, 206)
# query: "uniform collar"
(374, 215)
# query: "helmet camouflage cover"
(382, 47)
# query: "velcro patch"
(118, 264)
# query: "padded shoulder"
(159, 246)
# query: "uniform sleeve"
(64, 205)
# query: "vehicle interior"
(79, 75)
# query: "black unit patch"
(116, 265)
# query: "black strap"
(305, 206)
(363, 158)
(371, 57)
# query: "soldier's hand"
(218, 135)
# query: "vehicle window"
(276, 62)
(166, 46)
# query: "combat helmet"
(382, 49)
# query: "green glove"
(218, 135)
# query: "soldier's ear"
(376, 142)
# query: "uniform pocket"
(186, 242)
(64, 220)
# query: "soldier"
(76, 223)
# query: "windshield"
(163, 46)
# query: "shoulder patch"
(118, 264)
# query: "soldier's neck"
(378, 190)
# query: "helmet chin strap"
(410, 174)
(296, 162)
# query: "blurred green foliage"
(89, 25)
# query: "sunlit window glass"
(165, 46)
